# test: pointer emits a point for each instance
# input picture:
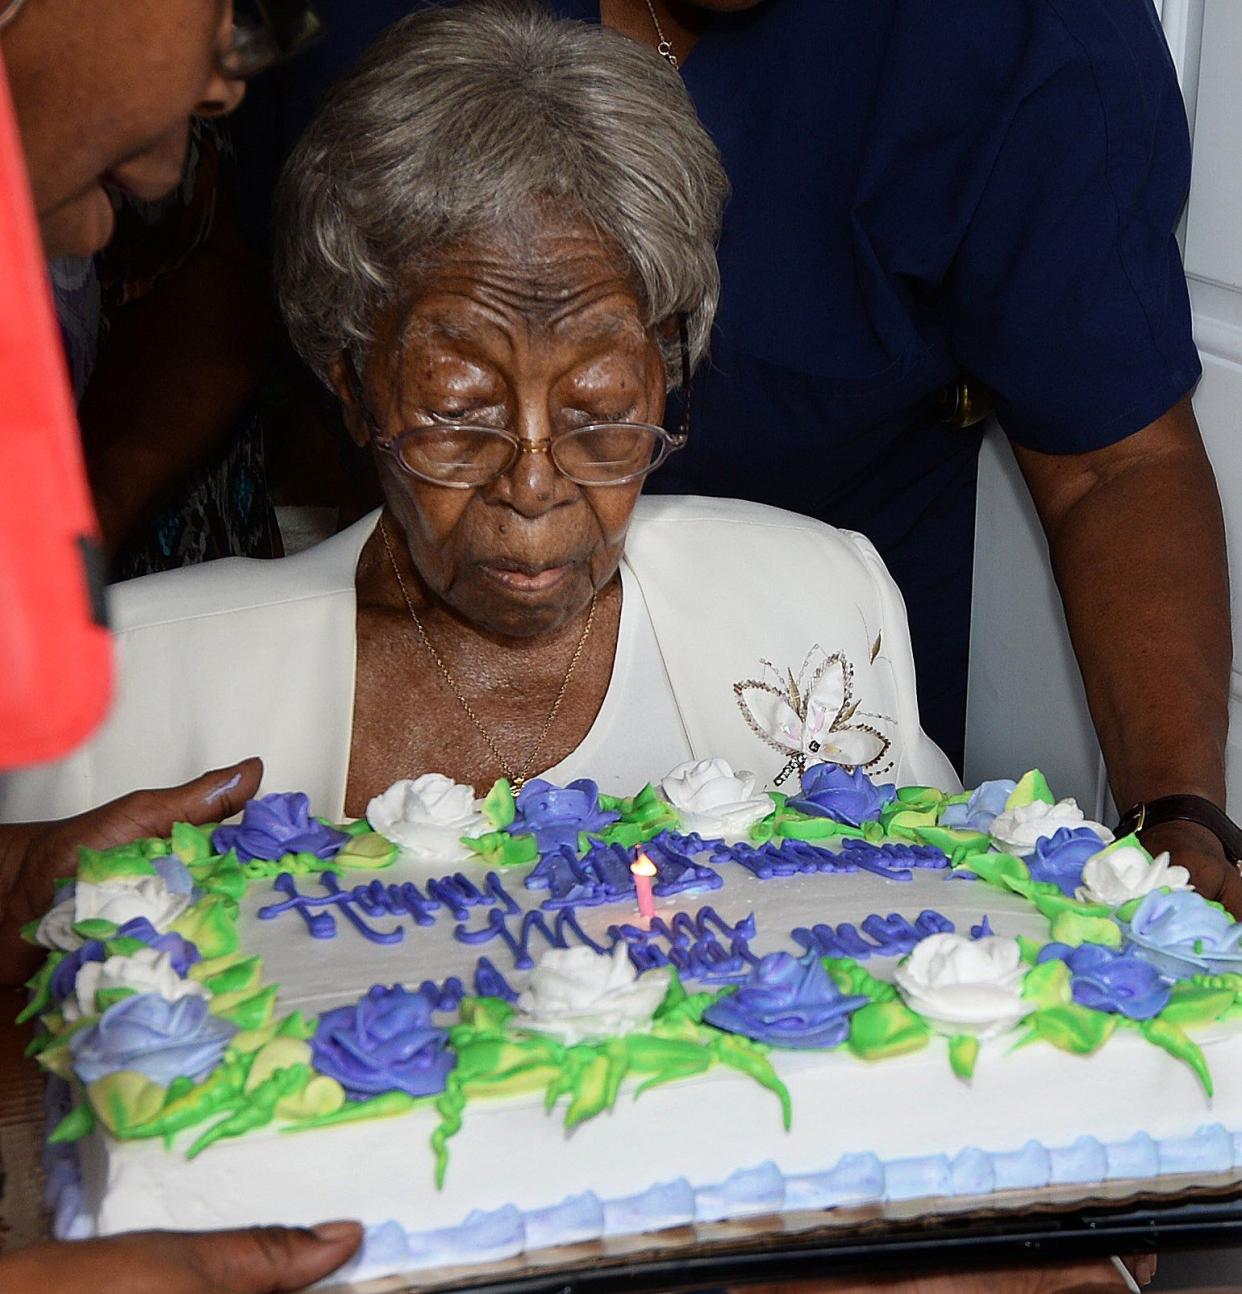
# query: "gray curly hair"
(465, 122)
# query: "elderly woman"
(498, 250)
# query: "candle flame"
(643, 866)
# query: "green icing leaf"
(30, 931)
(95, 928)
(296, 1025)
(500, 849)
(78, 1123)
(500, 808)
(1005, 871)
(746, 1056)
(1048, 985)
(107, 997)
(238, 977)
(1194, 1005)
(1073, 1028)
(211, 924)
(1166, 1034)
(369, 852)
(854, 980)
(40, 988)
(1030, 949)
(246, 1013)
(963, 1053)
(961, 845)
(449, 1105)
(680, 1005)
(1032, 787)
(792, 825)
(124, 1101)
(1075, 928)
(885, 1029)
(387, 1105)
(98, 866)
(192, 844)
(220, 876)
(257, 1108)
(359, 827)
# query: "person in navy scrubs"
(922, 190)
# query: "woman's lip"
(527, 581)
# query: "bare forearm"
(1139, 552)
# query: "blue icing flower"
(555, 815)
(66, 972)
(1183, 934)
(1119, 983)
(163, 1040)
(987, 801)
(385, 1042)
(275, 825)
(831, 791)
(184, 954)
(175, 874)
(788, 1003)
(1059, 858)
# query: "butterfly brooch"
(814, 718)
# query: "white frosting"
(1018, 831)
(146, 971)
(56, 929)
(1124, 872)
(577, 994)
(964, 985)
(713, 800)
(127, 898)
(427, 817)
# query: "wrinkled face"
(536, 340)
(104, 93)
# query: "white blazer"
(242, 657)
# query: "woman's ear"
(344, 380)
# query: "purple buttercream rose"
(555, 815)
(175, 874)
(987, 801)
(1059, 858)
(788, 1003)
(66, 972)
(182, 951)
(1119, 983)
(163, 1040)
(830, 791)
(386, 1042)
(1183, 934)
(275, 825)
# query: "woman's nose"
(533, 485)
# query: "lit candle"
(643, 870)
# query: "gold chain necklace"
(665, 47)
(518, 777)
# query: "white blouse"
(747, 633)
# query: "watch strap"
(1185, 808)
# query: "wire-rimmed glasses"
(268, 32)
(463, 457)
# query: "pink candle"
(643, 870)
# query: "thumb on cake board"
(34, 855)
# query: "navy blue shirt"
(919, 188)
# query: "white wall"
(1026, 705)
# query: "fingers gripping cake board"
(553, 1016)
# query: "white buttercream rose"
(962, 985)
(713, 800)
(146, 971)
(577, 994)
(1018, 831)
(56, 928)
(427, 817)
(127, 898)
(1115, 876)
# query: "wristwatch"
(1184, 808)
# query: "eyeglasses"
(268, 32)
(598, 454)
